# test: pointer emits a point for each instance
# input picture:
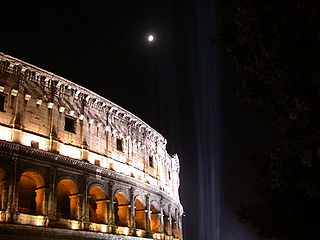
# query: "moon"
(150, 38)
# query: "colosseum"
(74, 165)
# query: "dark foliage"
(276, 45)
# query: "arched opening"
(2, 176)
(31, 193)
(67, 199)
(140, 215)
(121, 209)
(97, 205)
(155, 223)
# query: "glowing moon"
(150, 38)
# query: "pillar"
(6, 198)
(132, 224)
(148, 216)
(180, 226)
(12, 187)
(51, 194)
(46, 201)
(111, 213)
(168, 222)
(161, 220)
(168, 226)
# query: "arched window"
(2, 176)
(155, 219)
(67, 199)
(31, 193)
(121, 209)
(140, 215)
(97, 205)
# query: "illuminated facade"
(79, 165)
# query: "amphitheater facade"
(74, 165)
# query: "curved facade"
(74, 165)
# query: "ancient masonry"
(74, 165)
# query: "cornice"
(28, 72)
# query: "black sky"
(179, 85)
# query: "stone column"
(111, 213)
(84, 204)
(16, 121)
(8, 199)
(3, 195)
(84, 211)
(169, 222)
(148, 216)
(161, 219)
(132, 224)
(168, 226)
(13, 187)
(106, 151)
(51, 195)
(15, 197)
(180, 226)
(128, 144)
(46, 201)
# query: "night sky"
(181, 85)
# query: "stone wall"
(55, 134)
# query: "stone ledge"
(26, 232)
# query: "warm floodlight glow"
(150, 38)
(70, 151)
(74, 224)
(5, 134)
(26, 140)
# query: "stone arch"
(68, 202)
(140, 214)
(31, 193)
(123, 191)
(121, 209)
(155, 221)
(2, 182)
(97, 204)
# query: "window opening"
(119, 144)
(97, 163)
(2, 103)
(69, 125)
(35, 144)
(151, 161)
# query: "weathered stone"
(75, 165)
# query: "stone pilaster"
(85, 204)
(52, 197)
(148, 216)
(111, 211)
(132, 210)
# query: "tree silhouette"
(275, 44)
